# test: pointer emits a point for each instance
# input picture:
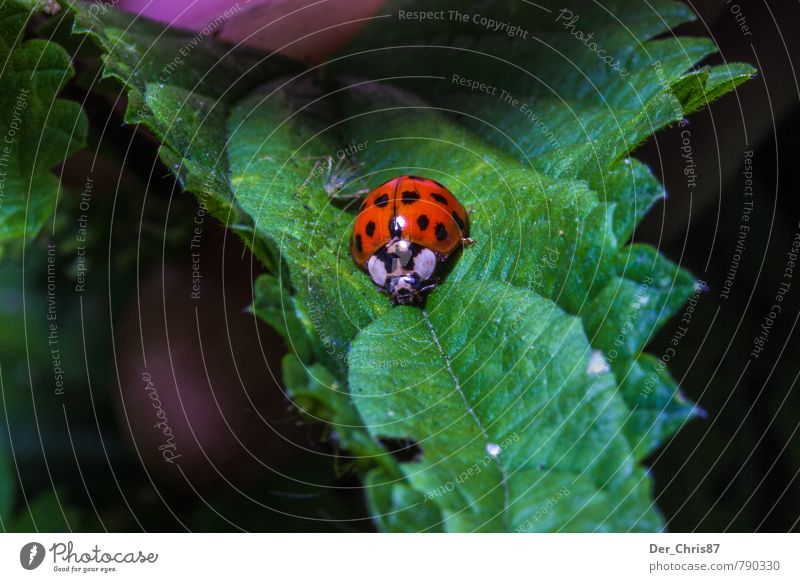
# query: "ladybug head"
(405, 290)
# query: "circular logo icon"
(31, 555)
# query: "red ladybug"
(405, 228)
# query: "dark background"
(734, 470)
(737, 469)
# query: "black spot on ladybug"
(423, 221)
(359, 248)
(404, 450)
(441, 231)
(394, 228)
(409, 197)
(370, 229)
(382, 200)
(459, 221)
(439, 198)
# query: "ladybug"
(404, 230)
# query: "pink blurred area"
(306, 30)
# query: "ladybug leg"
(434, 280)
(467, 241)
(430, 286)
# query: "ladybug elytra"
(405, 228)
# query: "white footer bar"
(406, 558)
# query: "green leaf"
(279, 177)
(552, 237)
(658, 409)
(321, 397)
(498, 392)
(520, 348)
(554, 101)
(37, 130)
(181, 85)
(620, 321)
(398, 507)
(276, 306)
(714, 82)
